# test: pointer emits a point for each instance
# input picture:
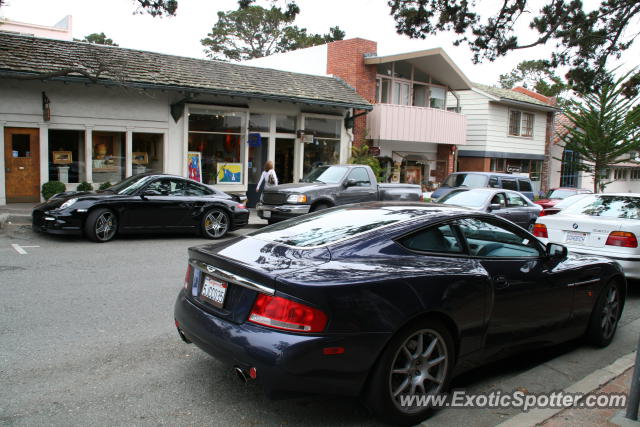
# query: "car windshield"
(570, 200)
(329, 226)
(560, 194)
(326, 174)
(467, 179)
(608, 206)
(470, 199)
(129, 185)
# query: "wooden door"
(22, 164)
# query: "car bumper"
(286, 363)
(57, 222)
(240, 219)
(280, 212)
(630, 263)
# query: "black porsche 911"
(141, 204)
(389, 300)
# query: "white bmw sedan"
(598, 224)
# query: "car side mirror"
(556, 251)
(494, 207)
(350, 183)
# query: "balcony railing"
(419, 124)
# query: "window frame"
(523, 131)
(354, 170)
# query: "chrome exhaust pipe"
(241, 374)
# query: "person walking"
(268, 177)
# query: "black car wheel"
(215, 223)
(418, 361)
(101, 225)
(605, 315)
(319, 207)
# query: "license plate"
(575, 237)
(213, 291)
(266, 214)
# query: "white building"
(74, 112)
(61, 30)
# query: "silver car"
(505, 203)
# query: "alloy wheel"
(106, 226)
(610, 312)
(419, 367)
(216, 223)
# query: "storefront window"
(215, 147)
(147, 155)
(259, 122)
(325, 148)
(286, 124)
(66, 156)
(108, 156)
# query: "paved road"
(87, 338)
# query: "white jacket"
(265, 177)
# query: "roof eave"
(227, 92)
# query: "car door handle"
(500, 282)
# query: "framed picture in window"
(413, 175)
(229, 173)
(62, 157)
(194, 165)
(140, 158)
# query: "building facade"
(75, 112)
(415, 127)
(507, 131)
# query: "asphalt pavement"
(87, 338)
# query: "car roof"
(500, 174)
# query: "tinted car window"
(499, 199)
(130, 185)
(467, 179)
(627, 207)
(434, 239)
(515, 200)
(193, 189)
(360, 176)
(524, 185)
(166, 187)
(334, 224)
(493, 182)
(509, 184)
(486, 239)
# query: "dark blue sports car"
(386, 300)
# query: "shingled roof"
(59, 59)
(508, 94)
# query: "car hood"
(301, 187)
(56, 202)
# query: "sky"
(181, 35)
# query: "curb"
(588, 384)
(20, 219)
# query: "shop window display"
(66, 156)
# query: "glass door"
(284, 160)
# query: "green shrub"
(52, 187)
(105, 185)
(84, 186)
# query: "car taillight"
(623, 239)
(241, 206)
(540, 230)
(187, 276)
(281, 313)
(542, 213)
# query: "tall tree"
(583, 40)
(253, 31)
(157, 7)
(536, 75)
(603, 128)
(99, 38)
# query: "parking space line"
(20, 249)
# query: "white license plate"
(266, 214)
(575, 237)
(213, 291)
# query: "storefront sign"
(254, 140)
(194, 165)
(229, 173)
(514, 169)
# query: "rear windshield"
(469, 199)
(626, 207)
(467, 179)
(560, 194)
(332, 225)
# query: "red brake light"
(540, 230)
(542, 213)
(281, 313)
(241, 206)
(187, 276)
(623, 239)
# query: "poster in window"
(62, 157)
(413, 174)
(194, 165)
(229, 173)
